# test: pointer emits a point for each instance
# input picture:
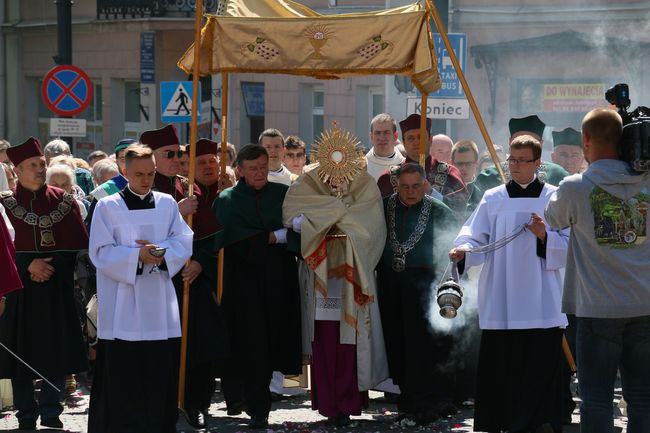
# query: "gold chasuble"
(342, 236)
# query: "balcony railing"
(132, 9)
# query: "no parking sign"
(67, 90)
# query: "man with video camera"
(606, 284)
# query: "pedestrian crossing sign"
(176, 101)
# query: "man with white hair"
(62, 176)
(55, 148)
(58, 147)
(104, 170)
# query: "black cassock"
(418, 356)
(261, 298)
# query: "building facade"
(554, 59)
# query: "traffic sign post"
(451, 87)
(176, 101)
(67, 90)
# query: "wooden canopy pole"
(195, 108)
(468, 92)
(424, 133)
(222, 169)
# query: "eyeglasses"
(169, 154)
(520, 161)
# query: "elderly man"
(104, 170)
(59, 147)
(383, 155)
(167, 153)
(261, 298)
(440, 148)
(40, 322)
(406, 275)
(519, 291)
(567, 150)
(443, 178)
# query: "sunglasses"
(169, 154)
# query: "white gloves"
(280, 236)
(296, 223)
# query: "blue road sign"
(451, 87)
(147, 57)
(67, 90)
(176, 101)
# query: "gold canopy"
(284, 37)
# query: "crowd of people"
(330, 260)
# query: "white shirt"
(283, 175)
(377, 165)
(517, 289)
(137, 307)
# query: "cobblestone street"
(293, 415)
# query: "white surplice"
(378, 165)
(517, 289)
(137, 307)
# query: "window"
(318, 111)
(376, 103)
(132, 101)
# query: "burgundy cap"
(29, 149)
(413, 122)
(158, 138)
(204, 147)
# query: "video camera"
(634, 147)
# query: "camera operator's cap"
(157, 138)
(204, 147)
(568, 136)
(413, 122)
(28, 149)
(531, 124)
(123, 144)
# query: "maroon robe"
(40, 322)
(443, 177)
(10, 280)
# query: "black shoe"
(447, 409)
(52, 422)
(27, 424)
(195, 418)
(235, 408)
(258, 422)
(426, 418)
(342, 420)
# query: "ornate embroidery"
(318, 35)
(439, 179)
(44, 222)
(374, 48)
(393, 176)
(262, 48)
